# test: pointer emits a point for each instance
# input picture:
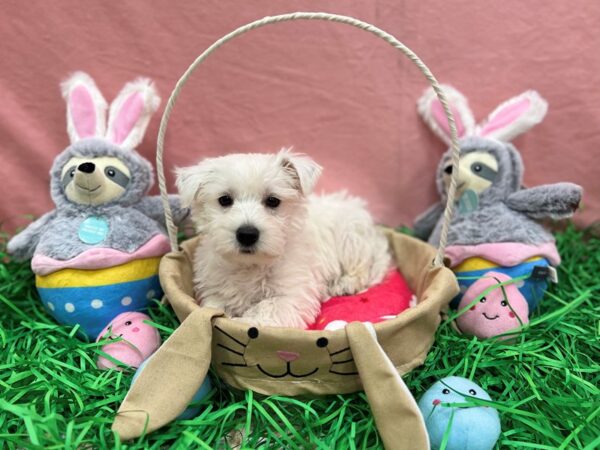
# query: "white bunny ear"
(86, 108)
(303, 169)
(514, 117)
(431, 111)
(130, 113)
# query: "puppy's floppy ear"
(304, 171)
(189, 182)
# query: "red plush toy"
(378, 303)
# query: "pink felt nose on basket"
(288, 356)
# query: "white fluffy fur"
(310, 247)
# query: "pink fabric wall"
(332, 91)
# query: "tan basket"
(359, 357)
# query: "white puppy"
(271, 252)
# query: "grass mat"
(546, 385)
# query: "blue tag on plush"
(93, 230)
(468, 202)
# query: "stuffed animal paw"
(501, 310)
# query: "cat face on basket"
(316, 359)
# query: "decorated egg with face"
(445, 411)
(499, 311)
(138, 340)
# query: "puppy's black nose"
(247, 235)
(86, 167)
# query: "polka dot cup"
(92, 298)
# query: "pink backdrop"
(329, 90)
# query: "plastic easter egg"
(472, 428)
(92, 298)
(193, 410)
(501, 310)
(138, 340)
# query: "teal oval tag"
(468, 202)
(93, 230)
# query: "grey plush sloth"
(96, 255)
(87, 173)
(494, 224)
(500, 210)
(100, 176)
(493, 206)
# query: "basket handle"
(449, 209)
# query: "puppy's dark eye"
(448, 170)
(111, 173)
(128, 323)
(252, 333)
(72, 173)
(225, 201)
(322, 342)
(272, 202)
(504, 303)
(477, 168)
(445, 391)
(472, 392)
(483, 300)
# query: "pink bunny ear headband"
(512, 118)
(128, 117)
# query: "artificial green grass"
(546, 384)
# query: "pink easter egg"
(139, 340)
(501, 310)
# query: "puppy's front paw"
(347, 285)
(273, 312)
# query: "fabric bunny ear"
(130, 113)
(514, 117)
(86, 108)
(431, 111)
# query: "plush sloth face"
(94, 181)
(477, 172)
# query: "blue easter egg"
(192, 411)
(473, 428)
